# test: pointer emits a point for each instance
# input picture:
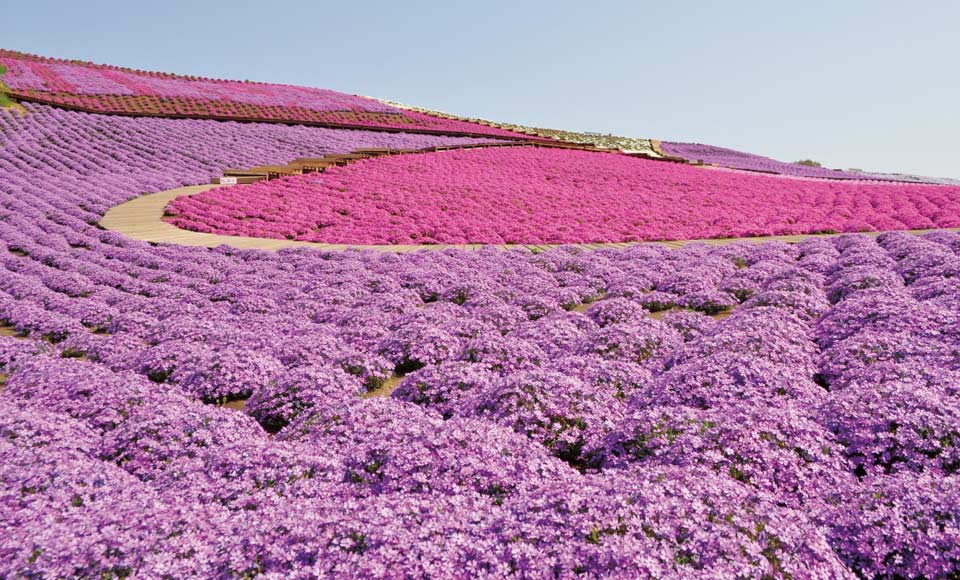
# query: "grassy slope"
(5, 101)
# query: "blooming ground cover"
(731, 158)
(908, 178)
(531, 195)
(111, 89)
(770, 411)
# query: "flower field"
(733, 159)
(786, 411)
(115, 90)
(532, 195)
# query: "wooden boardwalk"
(142, 219)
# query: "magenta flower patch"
(525, 195)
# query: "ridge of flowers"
(730, 158)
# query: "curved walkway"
(141, 218)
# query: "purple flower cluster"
(739, 411)
(711, 154)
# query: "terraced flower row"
(733, 159)
(606, 141)
(109, 89)
(60, 76)
(533, 195)
(561, 414)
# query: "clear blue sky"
(851, 83)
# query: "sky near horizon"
(873, 85)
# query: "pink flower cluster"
(536, 195)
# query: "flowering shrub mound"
(531, 195)
(713, 155)
(110, 89)
(564, 414)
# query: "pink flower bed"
(55, 75)
(536, 195)
(100, 88)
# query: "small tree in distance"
(809, 163)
